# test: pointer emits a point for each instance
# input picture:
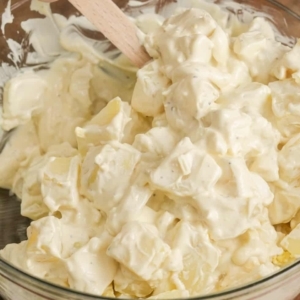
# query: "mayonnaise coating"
(169, 182)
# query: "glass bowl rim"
(285, 8)
(48, 285)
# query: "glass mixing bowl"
(17, 285)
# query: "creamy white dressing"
(168, 182)
(7, 17)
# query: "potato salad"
(175, 180)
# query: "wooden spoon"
(115, 25)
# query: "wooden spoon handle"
(115, 25)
